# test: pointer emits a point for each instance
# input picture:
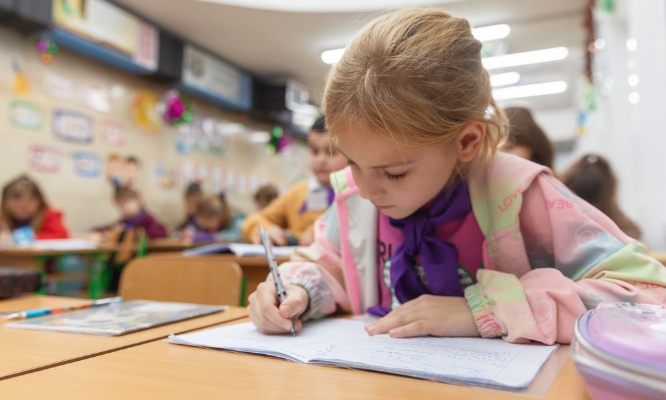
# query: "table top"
(33, 350)
(161, 370)
(36, 252)
(244, 261)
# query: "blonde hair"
(414, 77)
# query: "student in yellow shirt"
(293, 214)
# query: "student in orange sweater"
(294, 213)
(24, 205)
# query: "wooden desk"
(36, 259)
(160, 370)
(23, 351)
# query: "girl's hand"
(306, 238)
(276, 235)
(427, 315)
(265, 314)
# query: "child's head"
(213, 213)
(22, 200)
(410, 105)
(526, 138)
(265, 195)
(592, 179)
(324, 158)
(193, 195)
(128, 201)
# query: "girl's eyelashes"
(396, 177)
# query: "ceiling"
(276, 44)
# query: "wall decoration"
(98, 98)
(47, 49)
(58, 87)
(87, 164)
(122, 170)
(73, 126)
(44, 159)
(187, 173)
(166, 177)
(145, 112)
(113, 132)
(25, 115)
(178, 108)
(216, 179)
(21, 84)
(230, 181)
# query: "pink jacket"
(548, 256)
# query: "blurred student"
(193, 195)
(526, 138)
(295, 212)
(133, 215)
(591, 177)
(24, 208)
(215, 220)
(264, 196)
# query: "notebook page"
(475, 361)
(315, 340)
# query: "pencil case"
(620, 350)
(15, 281)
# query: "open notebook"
(344, 343)
(117, 319)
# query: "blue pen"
(57, 310)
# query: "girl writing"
(430, 228)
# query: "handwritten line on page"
(344, 343)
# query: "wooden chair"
(200, 281)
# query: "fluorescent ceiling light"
(505, 79)
(528, 57)
(491, 32)
(332, 56)
(538, 89)
(484, 33)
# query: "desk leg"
(40, 264)
(243, 302)
(97, 279)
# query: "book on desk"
(344, 343)
(117, 319)
(239, 249)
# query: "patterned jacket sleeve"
(318, 269)
(577, 258)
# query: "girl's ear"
(469, 140)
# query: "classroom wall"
(170, 156)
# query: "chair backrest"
(182, 279)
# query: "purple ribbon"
(439, 258)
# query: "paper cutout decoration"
(44, 159)
(25, 115)
(87, 164)
(58, 87)
(47, 49)
(72, 126)
(178, 108)
(113, 133)
(98, 98)
(145, 111)
(122, 171)
(21, 84)
(165, 176)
